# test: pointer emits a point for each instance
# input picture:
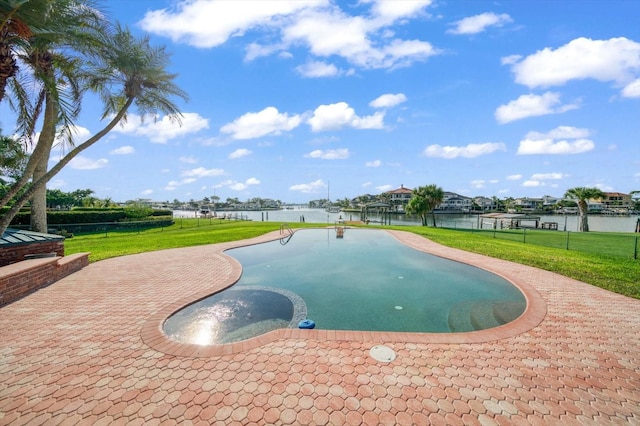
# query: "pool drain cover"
(382, 353)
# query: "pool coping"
(535, 311)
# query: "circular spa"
(364, 280)
(235, 314)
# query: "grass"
(610, 243)
(184, 233)
(611, 272)
(617, 274)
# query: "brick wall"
(22, 278)
(17, 252)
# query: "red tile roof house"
(399, 197)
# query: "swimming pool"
(370, 281)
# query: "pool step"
(482, 314)
(508, 311)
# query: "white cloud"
(79, 134)
(561, 140)
(375, 163)
(241, 186)
(389, 11)
(478, 23)
(60, 146)
(318, 25)
(510, 60)
(388, 100)
(532, 183)
(547, 176)
(315, 69)
(531, 106)
(255, 50)
(359, 39)
(161, 130)
(514, 177)
(632, 90)
(339, 115)
(257, 124)
(314, 187)
(147, 192)
(239, 153)
(329, 154)
(172, 185)
(201, 172)
(615, 60)
(84, 163)
(478, 183)
(561, 132)
(206, 23)
(123, 150)
(470, 151)
(604, 187)
(188, 160)
(384, 188)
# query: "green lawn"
(610, 243)
(608, 271)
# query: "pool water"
(234, 314)
(370, 281)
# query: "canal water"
(305, 214)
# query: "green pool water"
(368, 280)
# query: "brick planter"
(20, 279)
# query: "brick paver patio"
(88, 350)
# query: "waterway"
(305, 214)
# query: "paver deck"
(88, 350)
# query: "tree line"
(425, 199)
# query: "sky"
(304, 100)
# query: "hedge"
(80, 216)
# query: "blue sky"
(292, 99)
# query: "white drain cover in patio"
(382, 353)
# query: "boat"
(205, 212)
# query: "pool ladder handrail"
(285, 229)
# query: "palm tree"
(581, 195)
(60, 89)
(69, 26)
(12, 156)
(17, 24)
(138, 70)
(424, 200)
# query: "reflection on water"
(233, 315)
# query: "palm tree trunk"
(21, 201)
(41, 150)
(39, 200)
(584, 221)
